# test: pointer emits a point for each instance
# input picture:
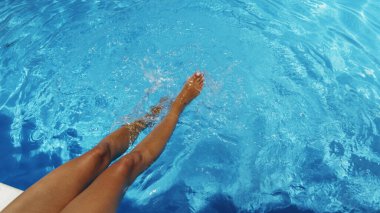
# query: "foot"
(149, 118)
(155, 110)
(190, 90)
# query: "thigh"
(55, 190)
(105, 192)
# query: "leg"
(105, 192)
(55, 190)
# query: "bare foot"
(155, 110)
(190, 90)
(150, 118)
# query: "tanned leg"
(105, 192)
(54, 191)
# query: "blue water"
(289, 120)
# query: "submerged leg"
(54, 191)
(105, 192)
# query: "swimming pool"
(289, 119)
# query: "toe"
(200, 77)
(201, 80)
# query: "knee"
(130, 162)
(136, 157)
(132, 159)
(101, 153)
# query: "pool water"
(289, 119)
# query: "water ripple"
(289, 115)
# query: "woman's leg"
(105, 192)
(54, 191)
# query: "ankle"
(177, 107)
(175, 110)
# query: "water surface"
(288, 121)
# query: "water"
(289, 119)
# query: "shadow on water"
(175, 200)
(23, 165)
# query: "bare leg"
(104, 194)
(54, 191)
